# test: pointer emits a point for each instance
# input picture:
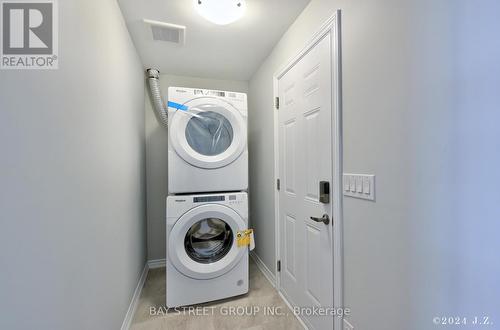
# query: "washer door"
(210, 134)
(202, 243)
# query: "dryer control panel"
(182, 95)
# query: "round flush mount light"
(221, 12)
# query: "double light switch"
(359, 186)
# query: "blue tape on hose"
(177, 106)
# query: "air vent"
(167, 32)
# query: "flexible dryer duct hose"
(154, 87)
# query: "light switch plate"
(359, 186)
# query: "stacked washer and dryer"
(207, 204)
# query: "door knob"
(325, 219)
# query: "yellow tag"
(243, 238)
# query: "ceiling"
(233, 51)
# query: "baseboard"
(301, 321)
(135, 299)
(157, 263)
(263, 268)
(272, 279)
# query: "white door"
(305, 143)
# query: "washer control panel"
(236, 199)
(208, 199)
(229, 199)
(179, 204)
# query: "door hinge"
(278, 265)
(278, 185)
(277, 103)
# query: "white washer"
(207, 142)
(204, 262)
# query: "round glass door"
(202, 242)
(208, 240)
(209, 133)
(212, 133)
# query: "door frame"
(332, 26)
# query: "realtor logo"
(29, 34)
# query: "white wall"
(156, 150)
(420, 89)
(72, 179)
(474, 221)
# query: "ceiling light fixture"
(221, 12)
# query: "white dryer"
(204, 262)
(207, 143)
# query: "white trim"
(333, 26)
(338, 248)
(127, 321)
(276, 191)
(157, 263)
(263, 268)
(301, 321)
(329, 26)
(272, 279)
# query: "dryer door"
(212, 133)
(202, 243)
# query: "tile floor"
(261, 295)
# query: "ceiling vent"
(167, 32)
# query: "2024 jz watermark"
(29, 34)
(483, 320)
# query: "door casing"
(333, 26)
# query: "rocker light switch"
(352, 183)
(347, 184)
(359, 184)
(366, 185)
